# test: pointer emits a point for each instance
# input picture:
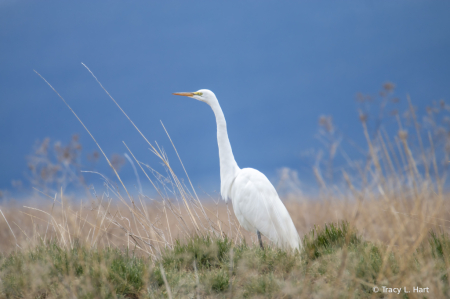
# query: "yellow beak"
(186, 94)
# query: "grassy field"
(339, 259)
(378, 228)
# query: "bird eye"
(199, 93)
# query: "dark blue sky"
(275, 67)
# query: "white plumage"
(256, 203)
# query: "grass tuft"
(328, 239)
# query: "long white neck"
(228, 166)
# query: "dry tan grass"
(393, 221)
(400, 224)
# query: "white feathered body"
(257, 207)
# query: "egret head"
(203, 95)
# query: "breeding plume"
(255, 201)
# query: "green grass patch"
(335, 262)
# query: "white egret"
(256, 203)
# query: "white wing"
(258, 207)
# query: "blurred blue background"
(275, 67)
